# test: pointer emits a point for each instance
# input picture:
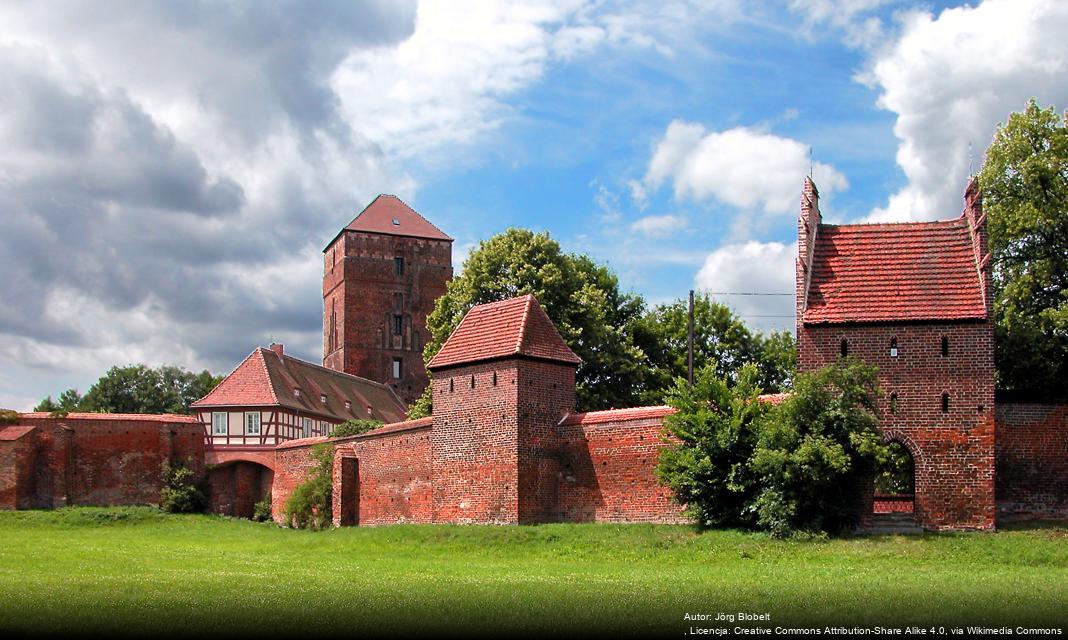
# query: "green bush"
(354, 428)
(797, 467)
(261, 511)
(7, 416)
(181, 493)
(310, 506)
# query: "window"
(307, 427)
(451, 387)
(398, 266)
(893, 347)
(844, 348)
(252, 424)
(219, 423)
(398, 325)
(396, 222)
(296, 392)
(495, 378)
(322, 398)
(893, 403)
(348, 405)
(945, 402)
(472, 382)
(945, 346)
(397, 367)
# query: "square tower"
(381, 277)
(502, 382)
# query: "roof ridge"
(224, 378)
(329, 370)
(266, 373)
(523, 323)
(914, 223)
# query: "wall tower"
(381, 276)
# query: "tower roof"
(269, 378)
(894, 272)
(513, 327)
(389, 215)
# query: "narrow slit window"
(843, 348)
(945, 402)
(893, 403)
(452, 387)
(945, 346)
(495, 378)
(398, 266)
(397, 368)
(472, 382)
(398, 325)
(893, 347)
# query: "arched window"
(945, 346)
(893, 403)
(844, 347)
(893, 347)
(945, 402)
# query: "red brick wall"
(954, 451)
(1032, 461)
(361, 292)
(108, 459)
(18, 459)
(236, 487)
(545, 394)
(607, 474)
(393, 484)
(292, 464)
(474, 444)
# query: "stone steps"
(892, 524)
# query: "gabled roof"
(894, 272)
(267, 378)
(513, 327)
(390, 215)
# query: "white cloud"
(659, 226)
(742, 167)
(753, 267)
(851, 17)
(952, 79)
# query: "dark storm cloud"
(103, 199)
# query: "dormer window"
(296, 392)
(348, 405)
(369, 413)
(396, 222)
(893, 347)
(322, 398)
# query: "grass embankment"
(142, 571)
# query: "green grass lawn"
(139, 570)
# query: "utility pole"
(689, 342)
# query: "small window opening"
(495, 378)
(893, 347)
(451, 386)
(396, 222)
(348, 404)
(945, 402)
(893, 403)
(472, 382)
(296, 392)
(844, 348)
(370, 413)
(397, 367)
(322, 398)
(398, 325)
(945, 346)
(398, 265)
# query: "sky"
(171, 171)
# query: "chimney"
(277, 348)
(807, 225)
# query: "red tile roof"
(894, 272)
(617, 415)
(14, 433)
(390, 215)
(266, 378)
(773, 398)
(407, 425)
(146, 417)
(517, 326)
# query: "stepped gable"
(268, 378)
(389, 215)
(513, 327)
(894, 272)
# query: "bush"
(261, 512)
(354, 428)
(310, 506)
(797, 467)
(181, 493)
(7, 416)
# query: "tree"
(354, 428)
(1024, 182)
(714, 434)
(720, 339)
(816, 450)
(581, 297)
(311, 503)
(137, 389)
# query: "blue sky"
(168, 180)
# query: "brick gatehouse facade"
(505, 445)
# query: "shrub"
(181, 493)
(354, 428)
(708, 467)
(310, 505)
(7, 416)
(261, 511)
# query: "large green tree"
(721, 340)
(137, 389)
(581, 297)
(1024, 181)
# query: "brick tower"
(381, 276)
